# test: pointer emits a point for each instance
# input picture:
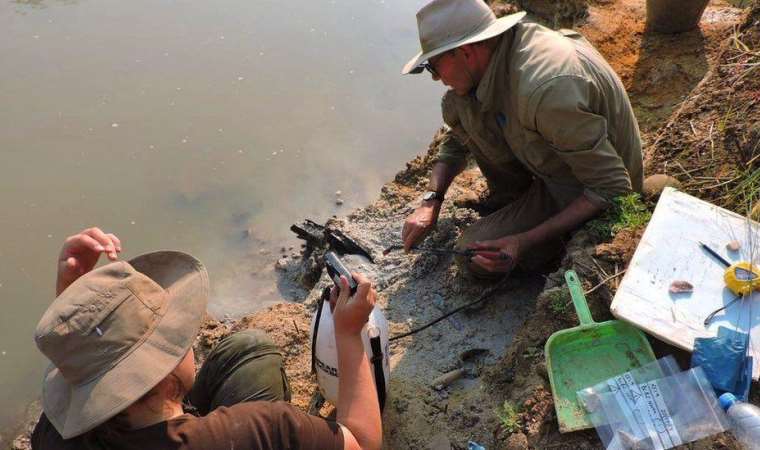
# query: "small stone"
(681, 287)
(114, 125)
(338, 202)
(516, 441)
(281, 264)
(655, 184)
(263, 251)
(338, 193)
(733, 246)
(283, 249)
(21, 443)
(755, 213)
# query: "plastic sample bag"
(654, 407)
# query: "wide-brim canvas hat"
(115, 333)
(447, 24)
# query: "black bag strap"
(320, 304)
(377, 364)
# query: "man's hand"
(81, 252)
(351, 313)
(420, 223)
(490, 254)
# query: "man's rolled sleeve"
(564, 118)
(451, 151)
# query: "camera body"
(336, 268)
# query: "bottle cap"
(726, 400)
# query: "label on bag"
(646, 414)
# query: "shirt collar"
(492, 85)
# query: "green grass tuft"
(559, 302)
(627, 212)
(746, 192)
(508, 417)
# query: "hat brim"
(76, 409)
(494, 29)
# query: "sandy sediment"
(512, 326)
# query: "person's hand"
(81, 252)
(351, 313)
(419, 223)
(498, 255)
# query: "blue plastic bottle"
(745, 418)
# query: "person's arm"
(451, 159)
(424, 218)
(573, 216)
(358, 409)
(443, 174)
(80, 253)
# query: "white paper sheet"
(669, 250)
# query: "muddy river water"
(207, 127)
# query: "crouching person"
(120, 338)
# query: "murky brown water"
(182, 124)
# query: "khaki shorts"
(531, 208)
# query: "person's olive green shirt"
(551, 104)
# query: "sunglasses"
(425, 66)
(429, 67)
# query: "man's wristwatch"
(432, 195)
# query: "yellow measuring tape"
(742, 278)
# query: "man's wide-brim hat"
(447, 24)
(115, 333)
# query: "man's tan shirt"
(551, 104)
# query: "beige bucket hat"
(447, 24)
(115, 333)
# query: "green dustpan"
(583, 356)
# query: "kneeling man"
(546, 119)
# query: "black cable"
(483, 296)
(709, 318)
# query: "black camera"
(336, 268)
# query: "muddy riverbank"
(506, 403)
